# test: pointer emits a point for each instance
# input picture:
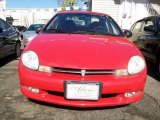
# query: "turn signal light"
(130, 94)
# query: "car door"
(136, 30)
(2, 40)
(150, 39)
(10, 36)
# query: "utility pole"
(88, 4)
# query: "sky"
(32, 3)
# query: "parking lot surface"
(14, 106)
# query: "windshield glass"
(34, 27)
(83, 23)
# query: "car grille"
(62, 94)
(81, 71)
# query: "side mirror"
(127, 33)
(1, 30)
(149, 29)
(38, 30)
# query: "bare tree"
(26, 21)
(71, 3)
(66, 3)
(88, 4)
(151, 9)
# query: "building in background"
(28, 16)
(126, 12)
(2, 9)
(72, 8)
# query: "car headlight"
(136, 65)
(30, 60)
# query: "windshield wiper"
(54, 31)
(101, 33)
(93, 32)
(85, 32)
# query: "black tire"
(17, 49)
(158, 68)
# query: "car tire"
(17, 49)
(158, 68)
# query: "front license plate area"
(82, 90)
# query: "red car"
(82, 59)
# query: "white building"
(28, 16)
(126, 12)
(2, 9)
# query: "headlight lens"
(136, 65)
(30, 60)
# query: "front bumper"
(51, 87)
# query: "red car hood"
(83, 51)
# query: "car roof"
(147, 18)
(81, 11)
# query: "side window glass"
(115, 31)
(54, 24)
(137, 27)
(148, 23)
(2, 25)
(7, 26)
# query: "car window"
(148, 23)
(20, 28)
(137, 27)
(113, 27)
(5, 26)
(54, 23)
(81, 23)
(2, 25)
(34, 27)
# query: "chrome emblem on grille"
(83, 72)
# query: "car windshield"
(34, 27)
(83, 23)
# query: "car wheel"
(158, 68)
(17, 50)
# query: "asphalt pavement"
(14, 106)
